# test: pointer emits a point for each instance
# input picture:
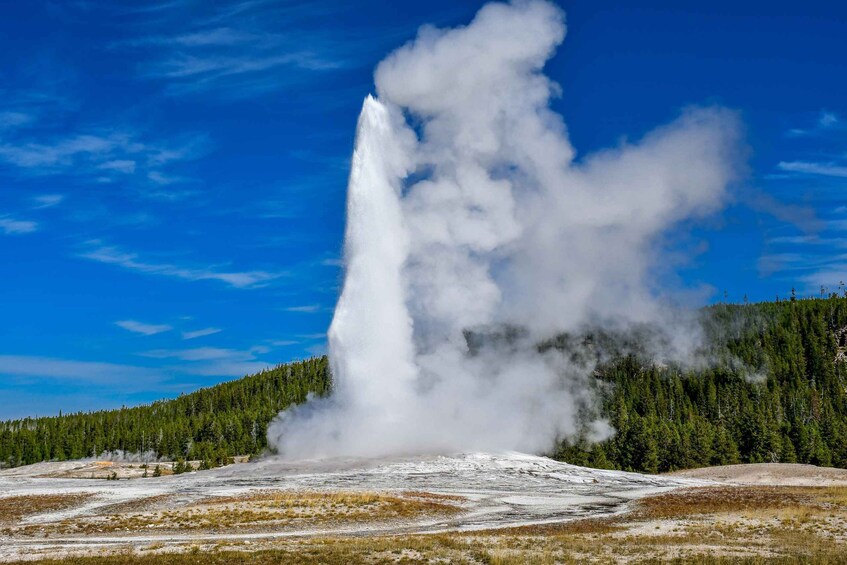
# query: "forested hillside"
(210, 424)
(775, 390)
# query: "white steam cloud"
(467, 212)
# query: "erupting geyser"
(479, 217)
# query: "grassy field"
(703, 525)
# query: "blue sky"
(172, 174)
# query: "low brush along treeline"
(776, 391)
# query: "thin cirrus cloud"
(239, 50)
(12, 226)
(214, 361)
(837, 242)
(69, 150)
(13, 119)
(162, 179)
(832, 276)
(243, 73)
(284, 342)
(143, 328)
(201, 354)
(120, 154)
(77, 371)
(112, 255)
(126, 166)
(826, 121)
(305, 309)
(814, 262)
(47, 200)
(200, 333)
(814, 168)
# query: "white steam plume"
(467, 211)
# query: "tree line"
(772, 387)
(211, 425)
(775, 390)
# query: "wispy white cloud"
(236, 76)
(826, 121)
(200, 333)
(809, 261)
(211, 37)
(124, 153)
(226, 368)
(239, 50)
(771, 263)
(317, 349)
(142, 328)
(47, 200)
(813, 168)
(305, 309)
(157, 7)
(72, 370)
(201, 354)
(162, 179)
(211, 69)
(126, 166)
(801, 216)
(13, 119)
(830, 277)
(283, 342)
(115, 256)
(62, 152)
(11, 226)
(286, 11)
(815, 240)
(214, 361)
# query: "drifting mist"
(473, 234)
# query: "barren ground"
(475, 508)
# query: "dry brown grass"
(573, 527)
(434, 496)
(136, 505)
(14, 508)
(445, 548)
(255, 511)
(718, 500)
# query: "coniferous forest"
(210, 425)
(774, 390)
